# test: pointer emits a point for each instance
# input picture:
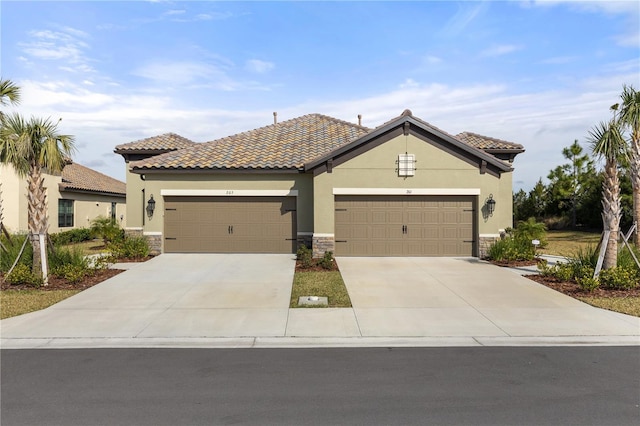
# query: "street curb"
(315, 342)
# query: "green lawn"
(323, 284)
(18, 302)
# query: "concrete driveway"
(173, 296)
(242, 300)
(467, 297)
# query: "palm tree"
(607, 142)
(31, 147)
(9, 92)
(630, 118)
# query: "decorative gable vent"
(406, 164)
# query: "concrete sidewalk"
(223, 300)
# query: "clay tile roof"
(164, 143)
(487, 143)
(81, 178)
(285, 145)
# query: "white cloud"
(258, 66)
(66, 45)
(500, 50)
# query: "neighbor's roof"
(162, 143)
(285, 145)
(487, 143)
(76, 177)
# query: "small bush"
(72, 273)
(530, 230)
(76, 235)
(619, 278)
(305, 256)
(132, 247)
(61, 256)
(22, 274)
(327, 260)
(588, 283)
(105, 228)
(511, 249)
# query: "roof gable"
(407, 124)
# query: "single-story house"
(75, 197)
(405, 188)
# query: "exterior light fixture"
(151, 206)
(491, 205)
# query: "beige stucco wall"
(435, 169)
(155, 183)
(86, 206)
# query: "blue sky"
(539, 73)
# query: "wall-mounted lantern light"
(151, 206)
(491, 205)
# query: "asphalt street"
(330, 386)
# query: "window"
(113, 212)
(65, 213)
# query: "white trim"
(152, 233)
(489, 236)
(134, 228)
(230, 192)
(305, 233)
(324, 235)
(406, 191)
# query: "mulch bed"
(315, 267)
(56, 283)
(573, 289)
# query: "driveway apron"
(173, 296)
(466, 297)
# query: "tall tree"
(569, 182)
(31, 147)
(607, 142)
(630, 118)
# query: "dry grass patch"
(18, 302)
(567, 243)
(327, 284)
(625, 305)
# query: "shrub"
(619, 278)
(105, 228)
(327, 260)
(22, 274)
(61, 256)
(72, 273)
(133, 247)
(530, 230)
(76, 235)
(588, 283)
(511, 249)
(305, 256)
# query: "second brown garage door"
(404, 225)
(229, 224)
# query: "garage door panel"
(230, 225)
(404, 225)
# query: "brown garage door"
(229, 224)
(404, 225)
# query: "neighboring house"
(74, 198)
(405, 188)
